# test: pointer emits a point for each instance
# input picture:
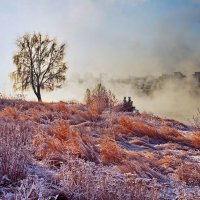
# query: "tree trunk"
(39, 98)
(39, 94)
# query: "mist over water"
(176, 99)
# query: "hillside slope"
(66, 151)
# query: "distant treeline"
(148, 85)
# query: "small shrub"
(98, 100)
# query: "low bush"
(98, 100)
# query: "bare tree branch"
(39, 63)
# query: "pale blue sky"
(118, 37)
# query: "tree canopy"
(39, 63)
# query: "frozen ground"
(65, 151)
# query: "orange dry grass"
(126, 124)
(189, 173)
(61, 130)
(132, 164)
(83, 116)
(169, 161)
(144, 129)
(12, 113)
(165, 160)
(195, 139)
(37, 140)
(34, 114)
(110, 152)
(60, 107)
(129, 126)
(118, 130)
(170, 132)
(94, 109)
(130, 167)
(87, 139)
(53, 145)
(61, 137)
(150, 156)
(23, 117)
(9, 112)
(49, 146)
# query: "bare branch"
(39, 64)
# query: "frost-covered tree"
(39, 63)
